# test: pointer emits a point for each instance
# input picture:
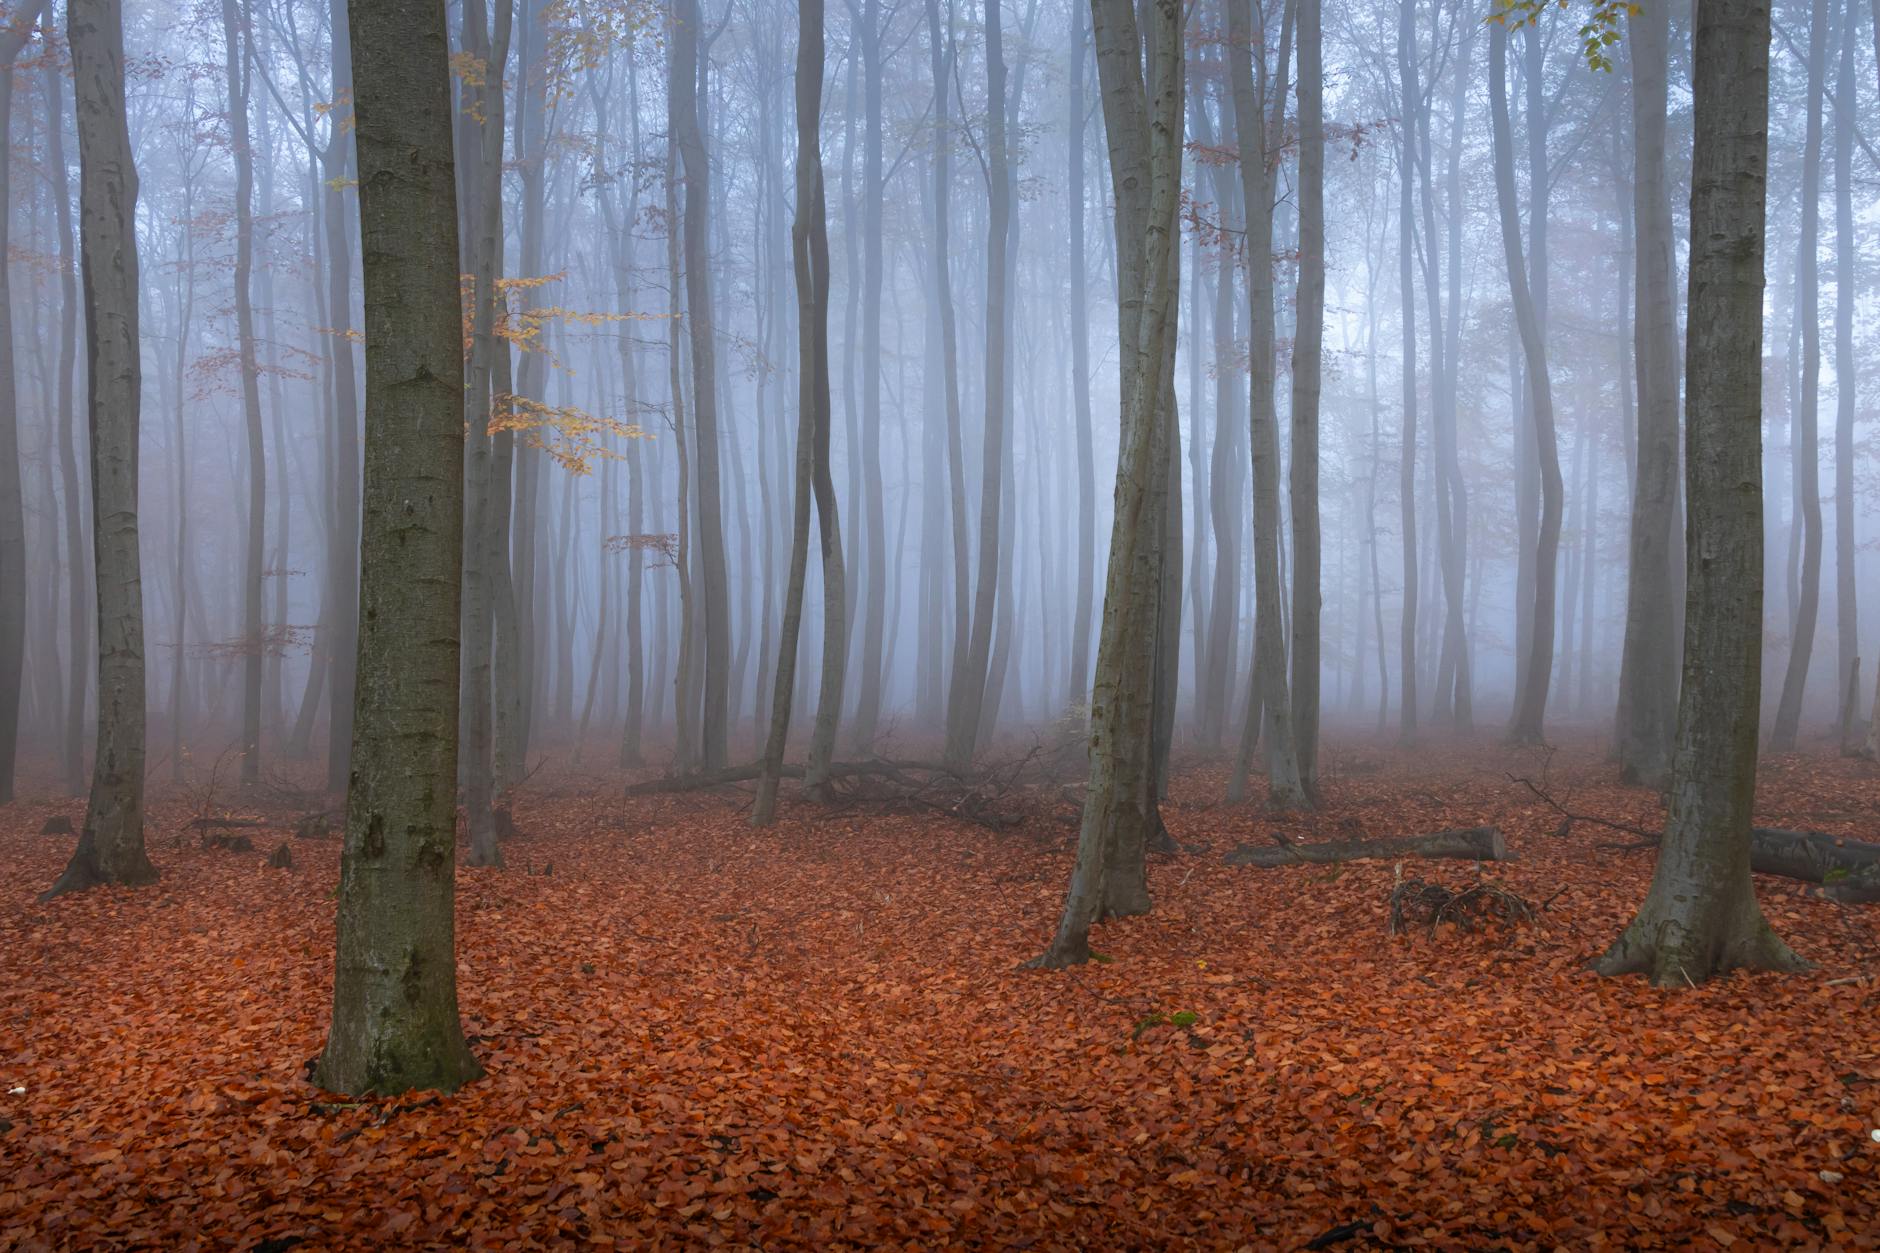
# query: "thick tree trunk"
(1647, 668)
(1465, 843)
(111, 846)
(1537, 663)
(1144, 123)
(1701, 917)
(395, 1025)
(1806, 451)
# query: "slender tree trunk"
(1308, 338)
(809, 249)
(1406, 226)
(1144, 124)
(13, 37)
(1806, 452)
(395, 1025)
(1537, 665)
(682, 105)
(1701, 917)
(1647, 666)
(236, 63)
(1846, 371)
(1269, 704)
(72, 750)
(111, 843)
(966, 702)
(1080, 369)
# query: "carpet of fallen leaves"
(819, 1035)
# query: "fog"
(1430, 484)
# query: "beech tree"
(395, 1025)
(1140, 71)
(1700, 917)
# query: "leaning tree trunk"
(1806, 453)
(1537, 666)
(1701, 917)
(809, 249)
(395, 1025)
(13, 38)
(1648, 664)
(1269, 704)
(1144, 122)
(111, 845)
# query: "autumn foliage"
(818, 1035)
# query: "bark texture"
(1700, 917)
(111, 843)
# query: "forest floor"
(820, 1035)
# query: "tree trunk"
(1537, 664)
(1701, 917)
(1269, 704)
(1806, 451)
(874, 608)
(1308, 338)
(395, 1025)
(809, 249)
(253, 649)
(966, 701)
(1406, 488)
(72, 749)
(111, 846)
(1647, 667)
(682, 107)
(13, 37)
(1846, 595)
(1144, 123)
(1080, 370)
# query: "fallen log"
(1847, 869)
(1466, 843)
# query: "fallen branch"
(1466, 843)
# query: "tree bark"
(1806, 452)
(1846, 373)
(1080, 369)
(111, 843)
(13, 37)
(1700, 917)
(1537, 664)
(682, 107)
(395, 1025)
(78, 671)
(809, 249)
(1647, 668)
(1144, 123)
(236, 61)
(1269, 704)
(1308, 341)
(966, 701)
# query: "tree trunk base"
(1672, 954)
(86, 871)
